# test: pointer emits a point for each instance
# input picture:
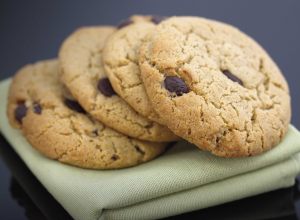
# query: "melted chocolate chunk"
(124, 23)
(232, 77)
(156, 19)
(105, 87)
(37, 108)
(138, 149)
(176, 85)
(73, 105)
(115, 157)
(95, 132)
(20, 112)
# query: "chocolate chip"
(95, 132)
(20, 112)
(156, 19)
(176, 85)
(74, 106)
(105, 87)
(37, 108)
(138, 149)
(115, 157)
(124, 23)
(232, 77)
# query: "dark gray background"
(32, 30)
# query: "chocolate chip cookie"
(215, 86)
(57, 126)
(120, 60)
(83, 74)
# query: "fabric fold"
(181, 180)
(276, 176)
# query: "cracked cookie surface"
(57, 126)
(120, 61)
(215, 86)
(82, 72)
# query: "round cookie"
(83, 74)
(120, 60)
(60, 129)
(215, 86)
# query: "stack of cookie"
(116, 97)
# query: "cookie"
(83, 74)
(215, 86)
(120, 60)
(58, 127)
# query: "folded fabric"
(182, 180)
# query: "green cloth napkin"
(182, 180)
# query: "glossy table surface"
(32, 30)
